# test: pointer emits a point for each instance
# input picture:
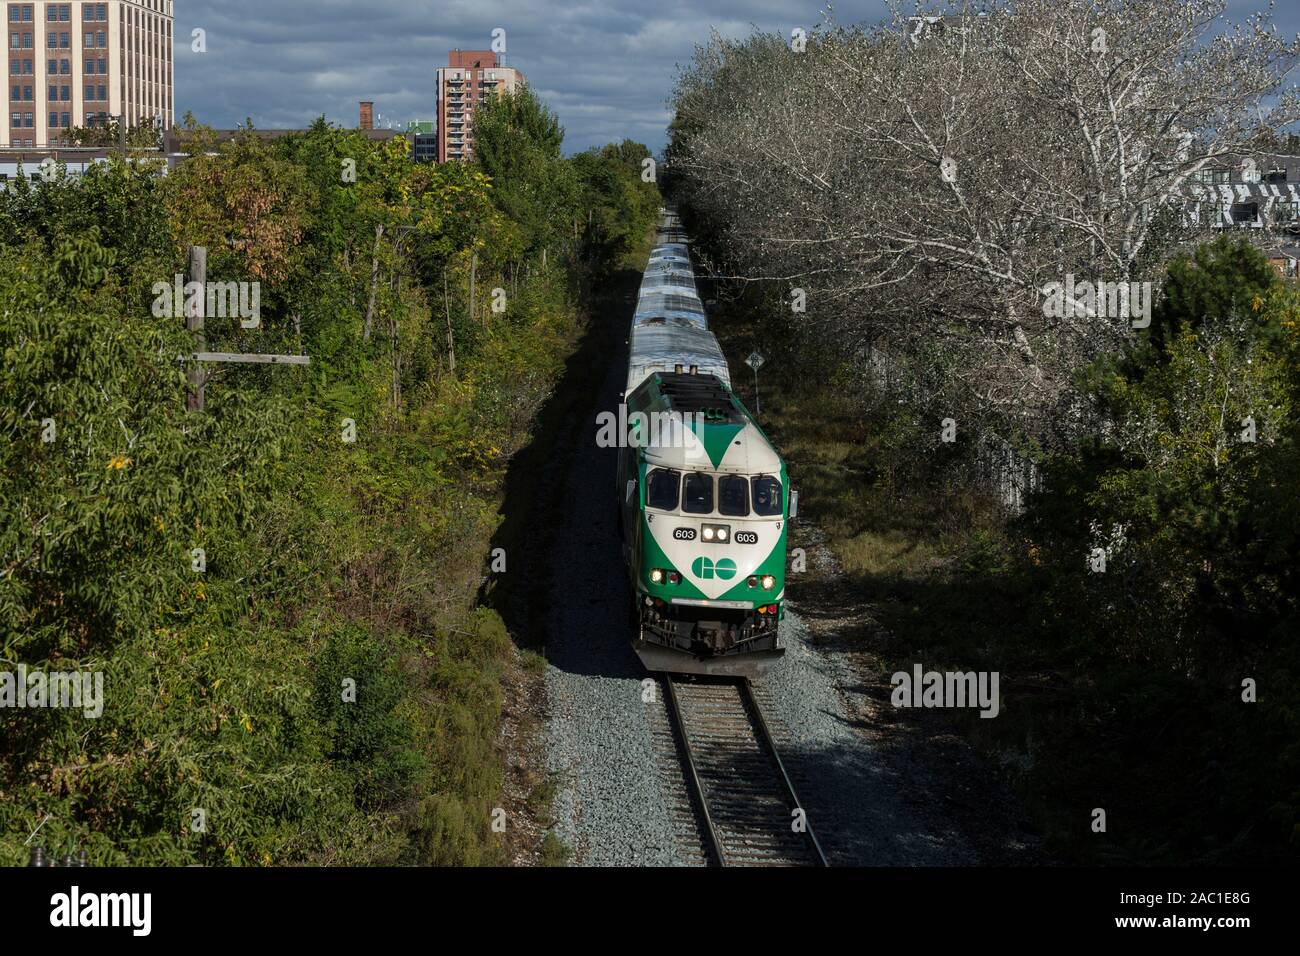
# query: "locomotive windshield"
(698, 499)
(661, 489)
(665, 489)
(767, 495)
(733, 496)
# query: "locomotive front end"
(709, 543)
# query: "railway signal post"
(755, 361)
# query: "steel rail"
(697, 787)
(747, 694)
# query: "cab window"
(661, 489)
(698, 496)
(733, 496)
(767, 495)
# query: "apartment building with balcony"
(78, 62)
(1250, 191)
(468, 77)
(1258, 193)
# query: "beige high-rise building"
(469, 76)
(77, 62)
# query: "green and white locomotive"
(705, 501)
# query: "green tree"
(322, 557)
(517, 142)
(1212, 282)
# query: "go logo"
(706, 570)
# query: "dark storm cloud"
(605, 67)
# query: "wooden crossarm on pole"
(194, 320)
(252, 357)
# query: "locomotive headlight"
(769, 582)
(707, 532)
(656, 576)
(722, 534)
(715, 532)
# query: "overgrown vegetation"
(893, 260)
(324, 691)
(919, 181)
(1121, 689)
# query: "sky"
(605, 67)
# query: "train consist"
(704, 497)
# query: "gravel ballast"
(610, 807)
(855, 802)
(609, 810)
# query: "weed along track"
(744, 805)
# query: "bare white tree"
(925, 180)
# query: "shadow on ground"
(564, 592)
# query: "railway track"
(743, 809)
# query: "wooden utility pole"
(473, 282)
(451, 339)
(195, 312)
(374, 285)
(198, 272)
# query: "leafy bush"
(226, 738)
(1190, 497)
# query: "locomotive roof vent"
(695, 393)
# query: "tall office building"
(468, 76)
(78, 62)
